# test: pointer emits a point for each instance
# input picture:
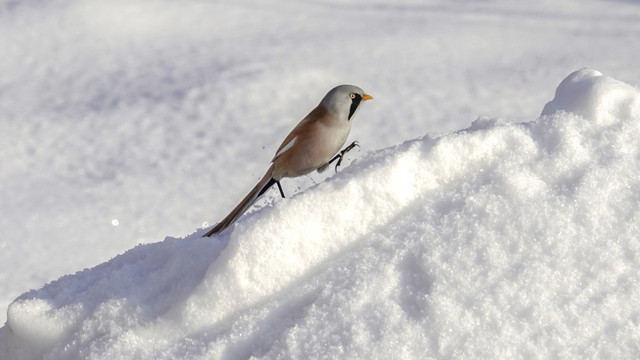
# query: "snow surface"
(120, 124)
(499, 241)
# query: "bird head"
(344, 100)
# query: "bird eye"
(353, 96)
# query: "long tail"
(262, 186)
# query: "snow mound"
(499, 241)
(589, 94)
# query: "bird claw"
(341, 154)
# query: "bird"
(312, 145)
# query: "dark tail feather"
(262, 186)
(267, 186)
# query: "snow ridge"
(498, 241)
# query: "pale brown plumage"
(310, 146)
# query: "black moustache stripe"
(355, 102)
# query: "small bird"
(310, 146)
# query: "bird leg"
(340, 155)
(280, 188)
(268, 185)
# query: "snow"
(498, 241)
(123, 122)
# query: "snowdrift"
(499, 241)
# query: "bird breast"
(312, 148)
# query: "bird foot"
(340, 155)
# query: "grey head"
(344, 100)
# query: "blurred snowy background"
(123, 122)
